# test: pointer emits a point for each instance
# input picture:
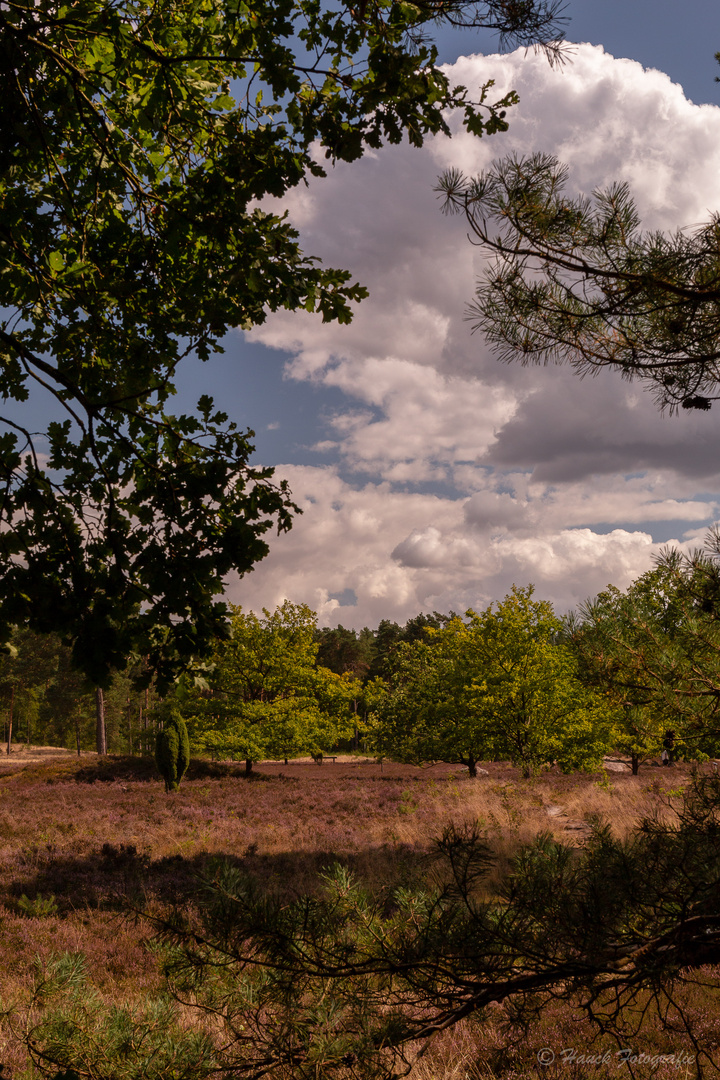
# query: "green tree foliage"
(67, 715)
(618, 638)
(370, 656)
(390, 635)
(172, 746)
(26, 671)
(53, 704)
(348, 982)
(150, 1043)
(266, 697)
(576, 281)
(354, 656)
(655, 650)
(498, 685)
(344, 651)
(137, 142)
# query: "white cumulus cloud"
(457, 476)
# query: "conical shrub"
(172, 749)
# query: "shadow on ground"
(90, 770)
(117, 876)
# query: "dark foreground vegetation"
(340, 920)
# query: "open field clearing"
(81, 840)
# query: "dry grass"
(564, 1046)
(94, 834)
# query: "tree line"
(277, 686)
(131, 173)
(634, 671)
(46, 701)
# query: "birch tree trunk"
(10, 719)
(100, 721)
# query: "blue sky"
(432, 477)
(677, 38)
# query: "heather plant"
(348, 978)
(99, 833)
(355, 981)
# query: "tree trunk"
(77, 733)
(100, 721)
(635, 762)
(248, 766)
(10, 720)
(472, 765)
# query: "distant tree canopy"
(46, 700)
(655, 650)
(576, 281)
(498, 685)
(310, 687)
(137, 141)
(513, 682)
(267, 697)
(344, 651)
(390, 636)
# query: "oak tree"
(266, 696)
(498, 685)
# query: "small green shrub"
(172, 749)
(39, 908)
